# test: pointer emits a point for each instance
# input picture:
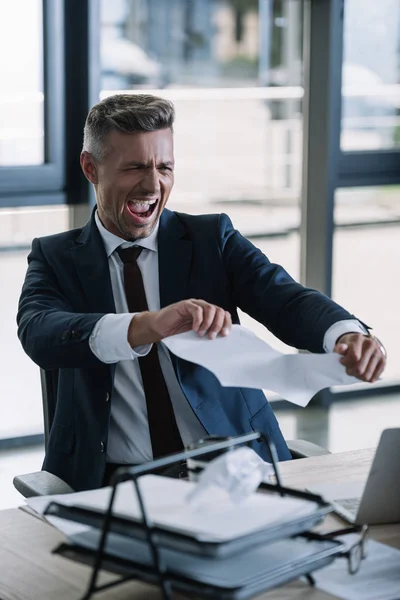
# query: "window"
(21, 83)
(233, 69)
(19, 376)
(371, 75)
(365, 280)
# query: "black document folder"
(189, 542)
(237, 577)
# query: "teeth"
(142, 203)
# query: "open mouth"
(141, 210)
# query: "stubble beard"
(140, 233)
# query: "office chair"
(43, 483)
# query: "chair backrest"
(49, 383)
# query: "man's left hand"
(361, 355)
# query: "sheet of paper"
(40, 503)
(377, 579)
(241, 359)
(217, 519)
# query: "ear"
(89, 167)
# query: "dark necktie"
(164, 433)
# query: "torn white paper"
(241, 359)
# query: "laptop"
(376, 501)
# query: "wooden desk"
(28, 570)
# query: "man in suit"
(97, 301)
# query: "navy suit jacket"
(68, 289)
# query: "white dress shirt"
(129, 437)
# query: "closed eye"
(165, 167)
(134, 167)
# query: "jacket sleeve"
(51, 333)
(298, 316)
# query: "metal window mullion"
(323, 50)
(53, 84)
(369, 168)
(82, 56)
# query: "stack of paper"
(216, 519)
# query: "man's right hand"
(197, 315)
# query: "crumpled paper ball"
(238, 472)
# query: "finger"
(368, 352)
(354, 353)
(217, 324)
(373, 363)
(227, 328)
(379, 370)
(341, 348)
(227, 324)
(196, 312)
(208, 318)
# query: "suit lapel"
(174, 259)
(91, 263)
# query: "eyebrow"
(142, 165)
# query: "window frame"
(19, 181)
(326, 167)
(368, 168)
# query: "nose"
(151, 182)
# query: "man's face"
(133, 182)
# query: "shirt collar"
(112, 241)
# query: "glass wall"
(367, 219)
(19, 376)
(21, 83)
(234, 72)
(366, 260)
(371, 75)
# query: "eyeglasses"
(356, 552)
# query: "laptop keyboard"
(350, 504)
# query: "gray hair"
(126, 113)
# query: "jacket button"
(107, 396)
(65, 335)
(101, 446)
(75, 334)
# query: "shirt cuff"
(340, 328)
(109, 339)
